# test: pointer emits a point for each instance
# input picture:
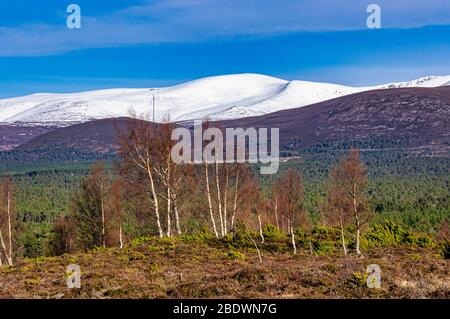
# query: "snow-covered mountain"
(426, 82)
(218, 98)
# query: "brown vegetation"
(163, 268)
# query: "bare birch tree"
(117, 210)
(7, 220)
(290, 194)
(88, 206)
(336, 211)
(349, 176)
(137, 150)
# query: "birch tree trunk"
(177, 216)
(5, 251)
(294, 246)
(358, 251)
(219, 201)
(155, 199)
(120, 236)
(257, 249)
(103, 216)
(276, 212)
(343, 236)
(260, 229)
(225, 201)
(358, 224)
(169, 198)
(2, 242)
(169, 208)
(9, 227)
(236, 186)
(208, 193)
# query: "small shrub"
(324, 230)
(421, 240)
(7, 269)
(391, 234)
(141, 240)
(235, 255)
(359, 279)
(301, 237)
(415, 257)
(154, 248)
(386, 234)
(168, 241)
(99, 249)
(271, 233)
(197, 237)
(241, 237)
(34, 281)
(41, 259)
(24, 269)
(154, 267)
(323, 247)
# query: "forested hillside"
(411, 190)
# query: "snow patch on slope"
(428, 81)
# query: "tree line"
(151, 195)
(147, 194)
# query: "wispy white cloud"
(196, 20)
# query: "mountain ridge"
(406, 118)
(225, 97)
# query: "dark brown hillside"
(98, 136)
(422, 114)
(13, 135)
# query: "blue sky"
(141, 43)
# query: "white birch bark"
(155, 199)
(260, 229)
(225, 201)
(103, 216)
(343, 235)
(169, 208)
(276, 212)
(177, 217)
(208, 194)
(236, 186)
(219, 201)
(9, 227)
(294, 246)
(5, 251)
(120, 236)
(356, 214)
(257, 249)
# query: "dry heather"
(177, 269)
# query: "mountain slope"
(12, 136)
(419, 115)
(402, 118)
(219, 98)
